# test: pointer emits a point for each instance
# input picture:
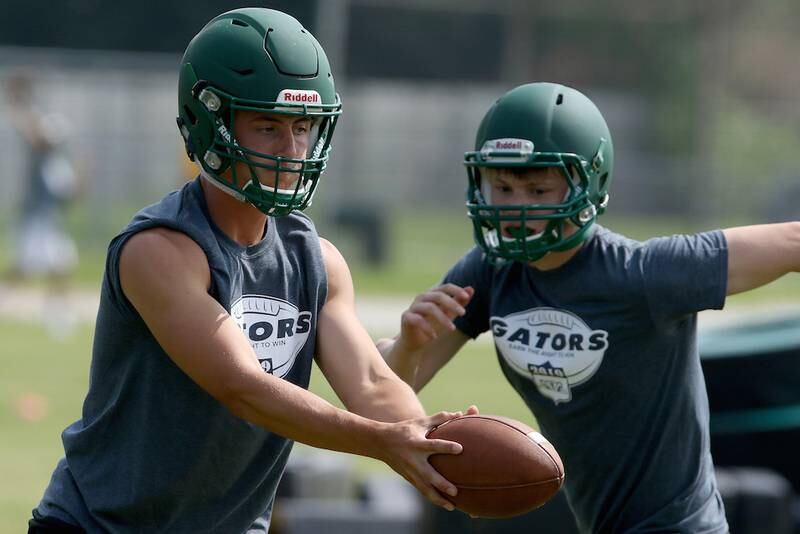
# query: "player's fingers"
(472, 410)
(441, 484)
(461, 294)
(442, 446)
(445, 301)
(440, 417)
(428, 490)
(420, 325)
(470, 291)
(436, 498)
(435, 315)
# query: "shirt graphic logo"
(276, 329)
(554, 348)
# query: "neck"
(554, 260)
(240, 221)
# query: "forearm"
(387, 398)
(759, 254)
(286, 409)
(404, 362)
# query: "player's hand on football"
(407, 449)
(472, 410)
(432, 313)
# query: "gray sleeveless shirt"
(153, 452)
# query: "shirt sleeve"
(473, 270)
(684, 274)
(112, 285)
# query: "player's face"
(278, 135)
(524, 187)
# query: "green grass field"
(41, 391)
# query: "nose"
(287, 145)
(519, 198)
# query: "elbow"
(234, 396)
(238, 408)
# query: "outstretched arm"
(348, 357)
(760, 254)
(364, 382)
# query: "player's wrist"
(375, 439)
(385, 345)
(407, 348)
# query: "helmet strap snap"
(212, 160)
(211, 101)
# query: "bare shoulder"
(160, 255)
(334, 261)
(339, 278)
(163, 246)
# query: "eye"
(302, 127)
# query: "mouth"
(287, 178)
(286, 185)
(520, 231)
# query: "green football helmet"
(261, 60)
(540, 125)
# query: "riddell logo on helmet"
(509, 145)
(297, 96)
(507, 149)
(521, 145)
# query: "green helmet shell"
(541, 125)
(256, 59)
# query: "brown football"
(506, 468)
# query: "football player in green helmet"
(284, 74)
(559, 136)
(595, 331)
(216, 300)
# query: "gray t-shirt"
(603, 351)
(153, 452)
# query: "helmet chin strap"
(222, 187)
(254, 179)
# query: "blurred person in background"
(595, 331)
(214, 303)
(41, 245)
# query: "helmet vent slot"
(560, 99)
(237, 22)
(243, 72)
